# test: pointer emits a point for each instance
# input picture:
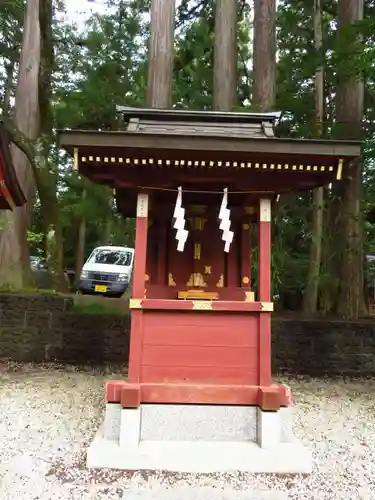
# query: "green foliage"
(35, 241)
(97, 308)
(105, 63)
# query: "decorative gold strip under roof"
(207, 164)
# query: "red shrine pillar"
(139, 276)
(246, 253)
(264, 290)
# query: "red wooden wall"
(212, 347)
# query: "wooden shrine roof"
(11, 194)
(208, 123)
(172, 147)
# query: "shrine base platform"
(198, 439)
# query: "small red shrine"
(201, 186)
(11, 194)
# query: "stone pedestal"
(198, 438)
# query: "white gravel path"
(49, 414)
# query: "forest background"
(69, 74)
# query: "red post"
(264, 290)
(161, 278)
(141, 230)
(245, 254)
(232, 277)
(139, 275)
(264, 257)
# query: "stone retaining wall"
(45, 328)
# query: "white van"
(107, 271)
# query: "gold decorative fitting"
(135, 304)
(171, 281)
(339, 169)
(197, 209)
(220, 283)
(245, 227)
(249, 296)
(245, 280)
(207, 269)
(197, 295)
(198, 223)
(266, 306)
(196, 279)
(211, 164)
(177, 163)
(75, 153)
(202, 305)
(197, 251)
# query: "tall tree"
(225, 55)
(14, 254)
(349, 114)
(160, 59)
(310, 298)
(46, 163)
(264, 56)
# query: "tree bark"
(81, 244)
(264, 55)
(107, 222)
(160, 58)
(310, 298)
(14, 253)
(225, 55)
(349, 114)
(48, 173)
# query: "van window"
(114, 257)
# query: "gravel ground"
(49, 414)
